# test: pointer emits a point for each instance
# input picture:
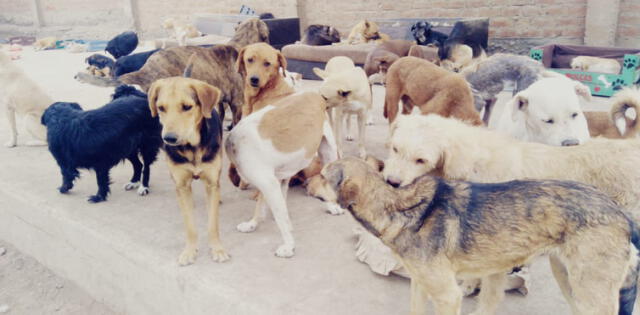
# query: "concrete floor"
(123, 252)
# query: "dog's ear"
(240, 63)
(582, 90)
(282, 61)
(153, 97)
(520, 103)
(208, 96)
(376, 164)
(320, 73)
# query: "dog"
(424, 34)
(549, 112)
(99, 139)
(320, 35)
(180, 30)
(214, 65)
(596, 64)
(266, 16)
(472, 33)
(384, 55)
(122, 45)
(487, 79)
(418, 82)
(278, 137)
(366, 32)
(22, 97)
(192, 136)
(45, 43)
(347, 92)
(99, 61)
(442, 230)
(131, 63)
(622, 120)
(249, 32)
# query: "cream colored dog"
(547, 112)
(366, 32)
(180, 30)
(596, 64)
(45, 43)
(22, 97)
(348, 92)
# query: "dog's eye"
(266, 63)
(574, 115)
(250, 60)
(549, 121)
(186, 107)
(420, 161)
(161, 108)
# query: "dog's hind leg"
(102, 177)
(36, 130)
(438, 283)
(13, 130)
(137, 171)
(362, 117)
(491, 294)
(560, 274)
(271, 190)
(68, 176)
(149, 154)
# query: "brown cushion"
(560, 56)
(357, 53)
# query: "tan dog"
(443, 230)
(20, 96)
(366, 32)
(622, 120)
(348, 92)
(418, 82)
(192, 132)
(180, 31)
(385, 54)
(45, 43)
(596, 64)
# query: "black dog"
(424, 34)
(101, 138)
(320, 35)
(99, 61)
(122, 44)
(131, 63)
(473, 33)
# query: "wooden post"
(131, 12)
(601, 22)
(37, 14)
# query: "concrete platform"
(123, 252)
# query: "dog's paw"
(188, 256)
(219, 255)
(131, 185)
(64, 188)
(334, 209)
(35, 143)
(10, 143)
(247, 227)
(143, 191)
(96, 199)
(285, 251)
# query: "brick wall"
(628, 34)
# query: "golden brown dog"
(622, 120)
(192, 133)
(444, 229)
(418, 82)
(366, 32)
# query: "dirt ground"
(27, 287)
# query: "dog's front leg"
(491, 293)
(419, 299)
(183, 181)
(212, 186)
(338, 124)
(362, 120)
(13, 130)
(68, 176)
(437, 282)
(102, 177)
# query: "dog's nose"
(570, 142)
(254, 81)
(170, 138)
(393, 182)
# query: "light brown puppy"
(385, 54)
(192, 133)
(622, 120)
(446, 229)
(259, 65)
(366, 32)
(418, 82)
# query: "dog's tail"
(629, 290)
(189, 67)
(126, 90)
(624, 110)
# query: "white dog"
(596, 64)
(548, 111)
(348, 92)
(22, 97)
(181, 31)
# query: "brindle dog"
(443, 230)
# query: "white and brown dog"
(180, 31)
(348, 92)
(596, 64)
(278, 136)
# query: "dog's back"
(131, 63)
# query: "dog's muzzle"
(254, 81)
(170, 138)
(570, 142)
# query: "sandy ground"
(29, 288)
